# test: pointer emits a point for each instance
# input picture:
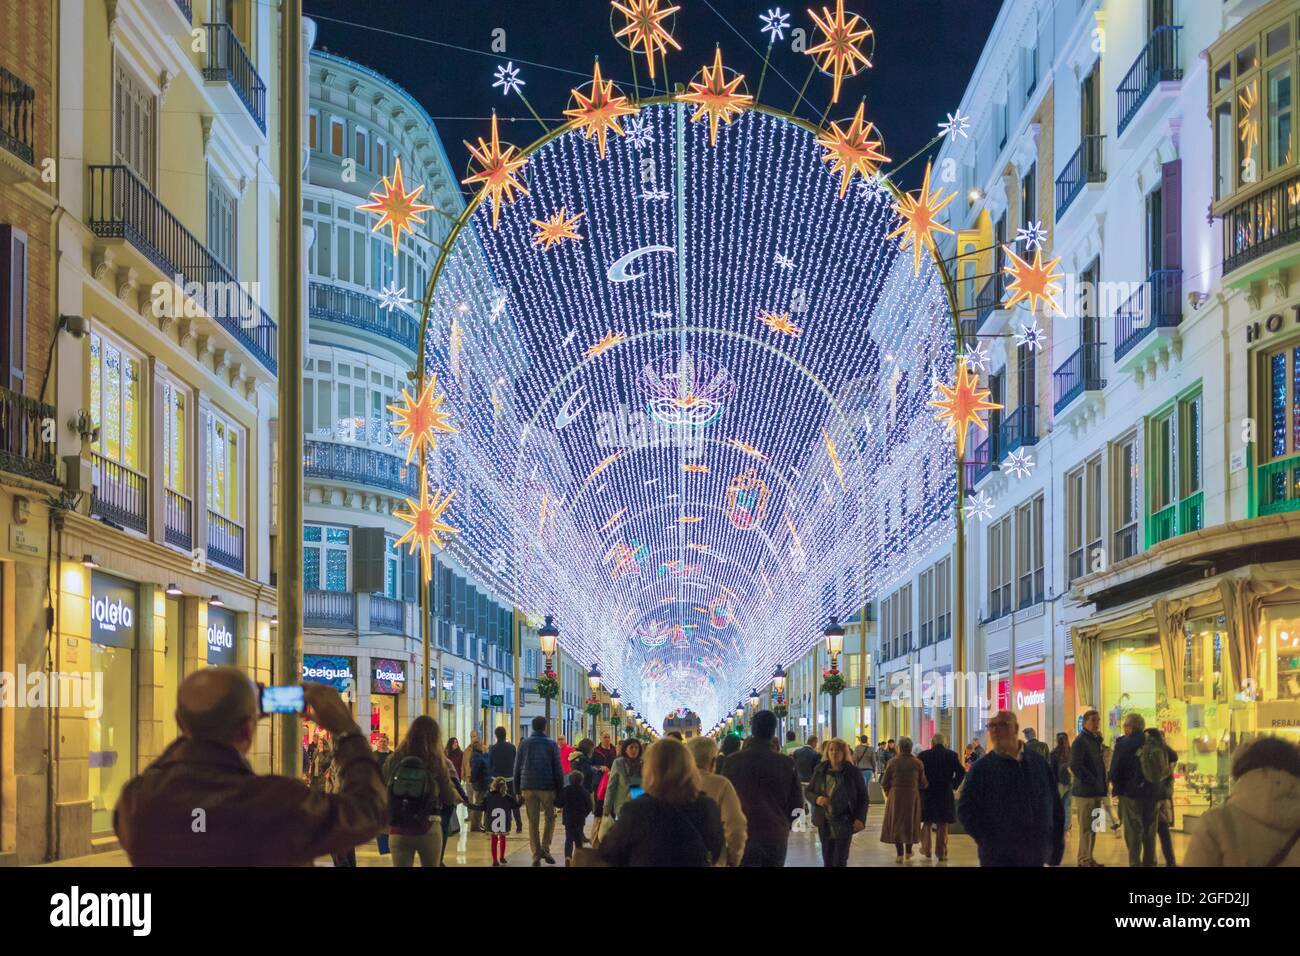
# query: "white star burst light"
(783, 261)
(875, 187)
(391, 297)
(775, 23)
(976, 357)
(1031, 335)
(1018, 464)
(978, 505)
(639, 132)
(507, 77)
(957, 125)
(1032, 235)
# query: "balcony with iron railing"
(178, 517)
(983, 460)
(1087, 165)
(1157, 304)
(1019, 428)
(1178, 518)
(989, 298)
(26, 447)
(119, 495)
(357, 465)
(229, 62)
(1078, 374)
(1278, 486)
(225, 542)
(17, 117)
(362, 311)
(1157, 63)
(1126, 542)
(386, 614)
(123, 207)
(1262, 223)
(329, 609)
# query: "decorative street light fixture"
(593, 702)
(753, 699)
(614, 717)
(779, 708)
(548, 687)
(832, 681)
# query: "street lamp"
(753, 699)
(614, 718)
(834, 634)
(778, 684)
(593, 681)
(547, 635)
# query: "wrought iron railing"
(1087, 165)
(360, 310)
(123, 207)
(1080, 373)
(1261, 223)
(228, 61)
(17, 117)
(982, 461)
(989, 298)
(1126, 542)
(225, 542)
(1157, 63)
(357, 465)
(1019, 428)
(386, 614)
(329, 609)
(26, 437)
(178, 515)
(119, 494)
(1157, 304)
(1279, 486)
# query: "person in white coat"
(704, 752)
(1259, 825)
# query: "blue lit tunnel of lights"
(694, 502)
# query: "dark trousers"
(519, 820)
(1016, 855)
(446, 818)
(1139, 820)
(573, 839)
(1166, 841)
(764, 854)
(835, 852)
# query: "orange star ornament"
(840, 51)
(852, 150)
(716, 97)
(421, 419)
(779, 322)
(645, 28)
(497, 171)
(426, 524)
(397, 209)
(556, 229)
(1036, 282)
(919, 215)
(598, 113)
(961, 404)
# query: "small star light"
(607, 342)
(783, 261)
(976, 356)
(1033, 283)
(775, 23)
(716, 96)
(391, 297)
(397, 209)
(497, 169)
(1033, 235)
(426, 524)
(840, 50)
(598, 113)
(875, 186)
(957, 125)
(780, 322)
(421, 419)
(639, 132)
(557, 229)
(979, 506)
(645, 28)
(1018, 464)
(919, 214)
(507, 77)
(1031, 335)
(961, 405)
(852, 150)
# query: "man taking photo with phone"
(201, 804)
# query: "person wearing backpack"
(1162, 767)
(1259, 824)
(864, 758)
(1138, 795)
(419, 788)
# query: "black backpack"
(411, 799)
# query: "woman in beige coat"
(903, 781)
(734, 827)
(1259, 825)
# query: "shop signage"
(112, 611)
(221, 636)
(498, 700)
(1274, 323)
(1277, 715)
(337, 672)
(1030, 690)
(387, 676)
(871, 692)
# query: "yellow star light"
(716, 97)
(599, 113)
(834, 455)
(497, 169)
(779, 322)
(605, 463)
(961, 404)
(610, 340)
(397, 209)
(556, 229)
(747, 448)
(919, 215)
(645, 28)
(691, 469)
(1036, 283)
(426, 524)
(840, 50)
(852, 150)
(421, 419)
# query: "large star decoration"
(919, 214)
(1036, 282)
(645, 28)
(961, 405)
(607, 342)
(598, 112)
(840, 51)
(852, 150)
(497, 169)
(426, 524)
(716, 97)
(420, 420)
(556, 229)
(397, 209)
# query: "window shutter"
(368, 560)
(411, 577)
(13, 307)
(1171, 211)
(460, 602)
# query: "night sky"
(441, 52)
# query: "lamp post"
(753, 702)
(778, 684)
(614, 719)
(593, 682)
(740, 716)
(834, 634)
(547, 635)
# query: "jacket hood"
(1271, 797)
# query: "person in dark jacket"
(1009, 804)
(769, 793)
(1138, 799)
(674, 823)
(580, 760)
(1165, 804)
(806, 759)
(602, 761)
(838, 795)
(1088, 785)
(502, 757)
(944, 774)
(730, 744)
(498, 802)
(538, 779)
(576, 803)
(478, 768)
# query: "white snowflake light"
(507, 77)
(651, 195)
(391, 297)
(775, 22)
(1031, 335)
(976, 357)
(1018, 464)
(639, 132)
(957, 125)
(978, 505)
(783, 261)
(1032, 235)
(875, 187)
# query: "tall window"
(134, 125)
(1029, 551)
(326, 554)
(313, 129)
(1125, 498)
(926, 594)
(943, 599)
(1031, 68)
(1282, 384)
(1155, 229)
(1000, 544)
(1029, 199)
(224, 444)
(1174, 449)
(361, 151)
(1026, 385)
(1279, 115)
(13, 307)
(1090, 103)
(336, 136)
(223, 231)
(116, 402)
(392, 569)
(175, 425)
(905, 617)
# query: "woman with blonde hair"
(903, 781)
(674, 823)
(839, 798)
(734, 825)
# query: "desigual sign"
(387, 676)
(328, 669)
(112, 611)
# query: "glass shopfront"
(113, 623)
(338, 672)
(1029, 702)
(387, 685)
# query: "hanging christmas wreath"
(832, 682)
(548, 686)
(593, 708)
(781, 711)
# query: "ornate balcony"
(357, 465)
(1157, 304)
(1261, 223)
(386, 614)
(1157, 63)
(359, 310)
(329, 609)
(1179, 518)
(1019, 428)
(989, 298)
(1087, 165)
(225, 542)
(1080, 373)
(179, 517)
(982, 461)
(1278, 487)
(23, 446)
(120, 494)
(17, 117)
(229, 62)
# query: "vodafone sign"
(1030, 691)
